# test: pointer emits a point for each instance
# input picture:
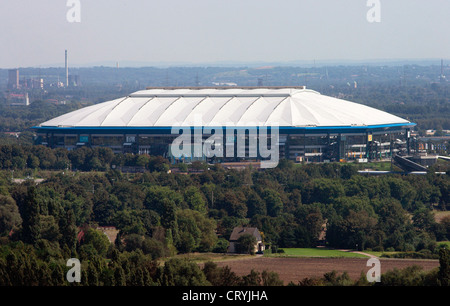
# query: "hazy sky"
(36, 33)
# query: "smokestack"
(67, 72)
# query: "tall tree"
(194, 199)
(181, 272)
(10, 219)
(273, 202)
(31, 225)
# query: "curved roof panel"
(293, 107)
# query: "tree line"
(38, 157)
(23, 265)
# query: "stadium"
(311, 127)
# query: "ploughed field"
(296, 269)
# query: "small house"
(239, 231)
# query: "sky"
(36, 33)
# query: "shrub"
(246, 244)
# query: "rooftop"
(226, 106)
(239, 231)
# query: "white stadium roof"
(172, 107)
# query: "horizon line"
(234, 63)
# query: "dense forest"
(159, 213)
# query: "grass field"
(447, 243)
(316, 252)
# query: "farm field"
(298, 263)
(295, 269)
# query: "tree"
(159, 164)
(270, 279)
(181, 272)
(150, 221)
(273, 201)
(251, 279)
(92, 275)
(295, 200)
(446, 226)
(155, 248)
(156, 196)
(129, 222)
(402, 191)
(130, 195)
(347, 171)
(311, 219)
(221, 246)
(33, 162)
(325, 190)
(142, 160)
(233, 205)
(119, 276)
(98, 240)
(360, 227)
(212, 273)
(409, 276)
(256, 205)
(194, 199)
(105, 156)
(10, 219)
(49, 228)
(197, 232)
(423, 219)
(333, 279)
(354, 230)
(80, 158)
(68, 230)
(444, 267)
(187, 242)
(133, 242)
(105, 207)
(168, 215)
(288, 238)
(29, 210)
(246, 244)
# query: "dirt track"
(296, 269)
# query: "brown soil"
(296, 269)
